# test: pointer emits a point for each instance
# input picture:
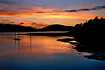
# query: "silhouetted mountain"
(90, 34)
(14, 28)
(57, 27)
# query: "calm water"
(10, 33)
(43, 53)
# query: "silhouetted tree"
(91, 32)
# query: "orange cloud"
(37, 25)
(41, 12)
(33, 9)
(52, 15)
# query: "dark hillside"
(14, 28)
(57, 27)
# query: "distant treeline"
(14, 28)
(90, 27)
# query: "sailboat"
(16, 36)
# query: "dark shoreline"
(47, 34)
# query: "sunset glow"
(42, 14)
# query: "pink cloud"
(86, 6)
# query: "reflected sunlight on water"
(41, 53)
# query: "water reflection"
(17, 44)
(42, 53)
(35, 44)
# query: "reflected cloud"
(42, 45)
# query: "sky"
(41, 13)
